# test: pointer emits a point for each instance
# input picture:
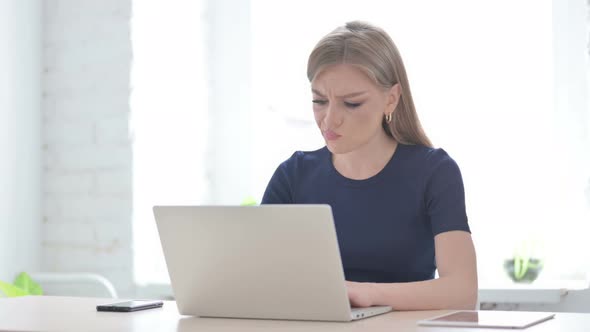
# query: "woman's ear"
(393, 97)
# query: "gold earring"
(388, 117)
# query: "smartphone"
(128, 306)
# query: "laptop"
(264, 262)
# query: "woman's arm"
(456, 287)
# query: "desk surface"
(47, 313)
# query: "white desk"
(46, 313)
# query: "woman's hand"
(360, 294)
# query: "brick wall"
(588, 76)
(20, 136)
(86, 146)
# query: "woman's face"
(349, 107)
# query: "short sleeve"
(279, 189)
(445, 197)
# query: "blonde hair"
(371, 49)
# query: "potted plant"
(524, 266)
(523, 269)
(249, 201)
(23, 285)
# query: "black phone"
(128, 306)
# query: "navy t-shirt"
(385, 224)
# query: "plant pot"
(523, 272)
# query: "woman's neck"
(366, 161)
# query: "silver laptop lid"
(270, 261)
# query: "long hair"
(371, 49)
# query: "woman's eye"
(352, 105)
(319, 102)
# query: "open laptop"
(268, 262)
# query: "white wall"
(86, 145)
(20, 154)
(87, 149)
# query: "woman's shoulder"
(304, 160)
(299, 158)
(429, 158)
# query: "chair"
(75, 284)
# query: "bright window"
(492, 87)
(169, 121)
(500, 85)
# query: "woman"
(398, 203)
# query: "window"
(492, 87)
(169, 106)
(500, 85)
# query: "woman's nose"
(333, 118)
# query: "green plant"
(249, 201)
(524, 266)
(23, 285)
(522, 269)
